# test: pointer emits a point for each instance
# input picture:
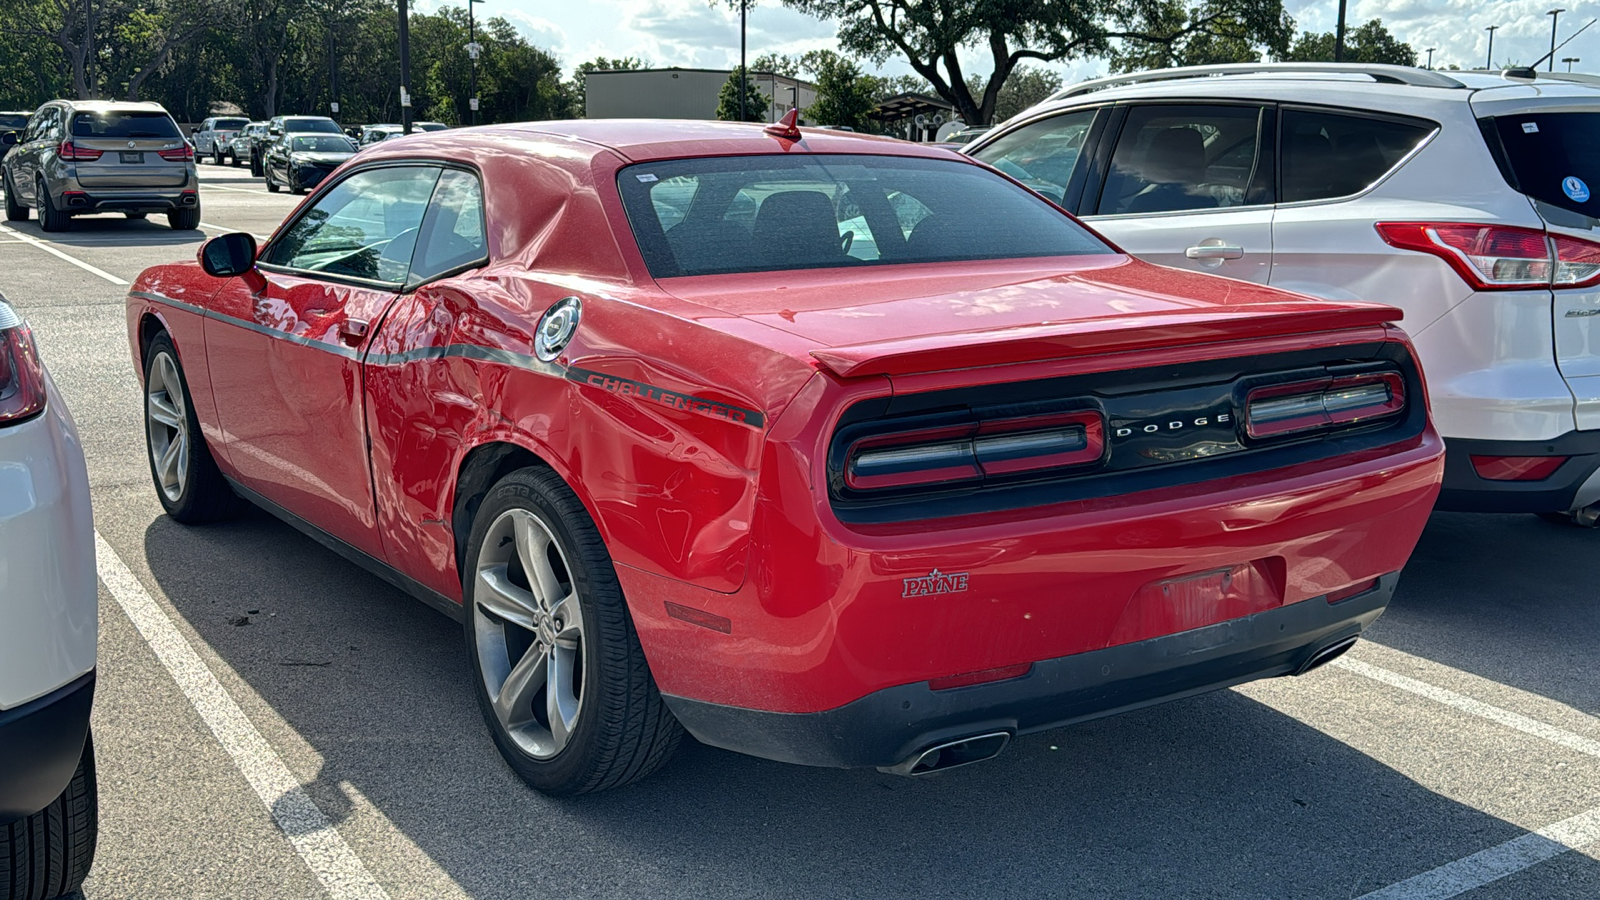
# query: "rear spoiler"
(1033, 343)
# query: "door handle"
(353, 331)
(1217, 250)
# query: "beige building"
(684, 93)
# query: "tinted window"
(452, 232)
(1182, 158)
(319, 126)
(1555, 157)
(124, 124)
(1328, 155)
(364, 228)
(769, 213)
(230, 124)
(429, 126)
(12, 123)
(1042, 155)
(322, 145)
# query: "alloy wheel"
(168, 426)
(529, 632)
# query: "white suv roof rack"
(1381, 73)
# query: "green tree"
(1026, 87)
(1370, 43)
(778, 64)
(930, 34)
(845, 95)
(755, 103)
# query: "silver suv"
(80, 157)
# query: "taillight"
(1323, 403)
(73, 153)
(974, 451)
(177, 154)
(21, 372)
(1501, 257)
(1517, 468)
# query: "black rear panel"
(1164, 427)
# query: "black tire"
(272, 186)
(50, 218)
(48, 854)
(623, 730)
(294, 184)
(216, 155)
(256, 168)
(186, 219)
(203, 495)
(15, 210)
(233, 159)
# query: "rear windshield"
(12, 122)
(231, 124)
(130, 124)
(324, 145)
(1555, 157)
(770, 213)
(320, 126)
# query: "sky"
(698, 34)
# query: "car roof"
(640, 140)
(113, 105)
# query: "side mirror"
(8, 139)
(228, 255)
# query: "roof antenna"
(787, 127)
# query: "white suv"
(1469, 200)
(48, 813)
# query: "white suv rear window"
(1555, 157)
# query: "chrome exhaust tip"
(951, 755)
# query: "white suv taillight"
(1501, 257)
(21, 372)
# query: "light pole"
(1491, 29)
(744, 74)
(1338, 36)
(405, 68)
(473, 49)
(1555, 16)
(1569, 60)
(1430, 56)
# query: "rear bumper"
(889, 726)
(144, 200)
(1575, 485)
(40, 745)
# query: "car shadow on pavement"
(1510, 598)
(112, 230)
(1217, 796)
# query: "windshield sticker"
(645, 179)
(1574, 187)
(1530, 127)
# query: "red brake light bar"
(177, 154)
(21, 372)
(72, 152)
(1501, 257)
(971, 452)
(1282, 409)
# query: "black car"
(278, 126)
(301, 160)
(12, 122)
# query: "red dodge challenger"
(824, 448)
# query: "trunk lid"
(130, 144)
(941, 317)
(1549, 145)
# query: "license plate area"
(132, 156)
(1198, 599)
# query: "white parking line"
(1495, 863)
(27, 239)
(316, 840)
(206, 185)
(1468, 705)
(260, 238)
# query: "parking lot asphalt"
(273, 722)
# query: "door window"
(365, 227)
(452, 231)
(1327, 155)
(1043, 154)
(1172, 158)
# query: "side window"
(1044, 154)
(1171, 158)
(1328, 155)
(366, 227)
(452, 231)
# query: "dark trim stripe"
(626, 387)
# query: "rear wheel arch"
(151, 326)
